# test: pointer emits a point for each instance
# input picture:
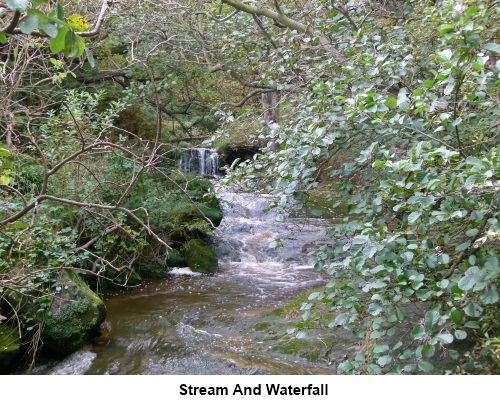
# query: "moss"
(262, 326)
(200, 257)
(74, 317)
(10, 344)
(292, 309)
(175, 259)
(319, 203)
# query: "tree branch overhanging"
(288, 22)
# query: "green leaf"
(474, 310)
(381, 348)
(414, 216)
(37, 3)
(301, 335)
(492, 47)
(49, 28)
(432, 318)
(410, 368)
(462, 246)
(28, 24)
(427, 201)
(467, 282)
(472, 325)
(489, 295)
(376, 334)
(369, 252)
(341, 320)
(59, 11)
(71, 46)
(345, 367)
(446, 28)
(456, 316)
(425, 366)
(373, 369)
(81, 46)
(57, 44)
(472, 232)
(446, 338)
(460, 334)
(90, 57)
(384, 360)
(17, 5)
(471, 11)
(391, 102)
(3, 38)
(446, 54)
(74, 45)
(429, 83)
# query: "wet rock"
(200, 257)
(75, 315)
(227, 250)
(104, 335)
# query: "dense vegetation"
(389, 107)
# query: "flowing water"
(203, 161)
(194, 324)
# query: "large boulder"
(74, 317)
(10, 345)
(200, 257)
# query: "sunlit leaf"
(77, 22)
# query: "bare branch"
(247, 97)
(9, 29)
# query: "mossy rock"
(74, 317)
(175, 259)
(292, 309)
(10, 346)
(200, 257)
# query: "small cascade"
(202, 161)
(248, 233)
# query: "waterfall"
(203, 161)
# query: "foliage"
(423, 194)
(85, 198)
(390, 105)
(52, 23)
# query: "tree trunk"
(271, 115)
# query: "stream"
(223, 324)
